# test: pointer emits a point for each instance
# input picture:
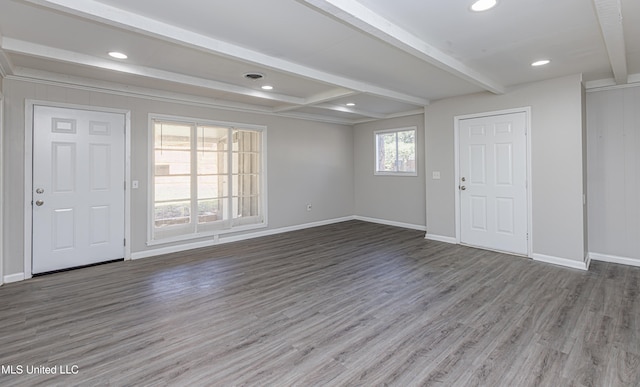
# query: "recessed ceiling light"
(483, 5)
(267, 87)
(351, 104)
(117, 55)
(540, 62)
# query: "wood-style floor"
(347, 304)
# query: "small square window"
(396, 152)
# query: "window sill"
(205, 235)
(403, 174)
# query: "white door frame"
(28, 174)
(456, 123)
(1, 188)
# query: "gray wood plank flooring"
(352, 303)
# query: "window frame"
(377, 172)
(177, 233)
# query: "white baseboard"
(441, 238)
(234, 238)
(615, 259)
(17, 277)
(391, 223)
(172, 249)
(584, 265)
(587, 261)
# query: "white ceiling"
(391, 58)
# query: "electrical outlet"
(435, 175)
(309, 206)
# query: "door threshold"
(495, 250)
(77, 267)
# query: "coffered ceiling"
(389, 58)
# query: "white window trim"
(375, 152)
(150, 176)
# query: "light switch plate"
(436, 175)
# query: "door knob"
(39, 191)
(39, 203)
(463, 179)
(462, 187)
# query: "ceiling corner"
(6, 68)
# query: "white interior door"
(493, 182)
(78, 187)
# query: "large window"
(207, 177)
(396, 152)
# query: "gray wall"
(331, 166)
(390, 198)
(613, 125)
(557, 162)
(308, 162)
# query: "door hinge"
(125, 241)
(125, 185)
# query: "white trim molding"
(391, 223)
(441, 238)
(1, 183)
(580, 265)
(17, 277)
(614, 259)
(219, 239)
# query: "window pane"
(172, 188)
(212, 150)
(246, 162)
(212, 163)
(172, 162)
(245, 206)
(407, 151)
(245, 185)
(212, 138)
(172, 183)
(172, 213)
(211, 210)
(246, 141)
(386, 148)
(210, 187)
(172, 136)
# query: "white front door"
(78, 187)
(493, 182)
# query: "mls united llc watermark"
(19, 369)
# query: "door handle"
(39, 203)
(39, 191)
(462, 187)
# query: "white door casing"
(492, 182)
(1, 189)
(78, 187)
